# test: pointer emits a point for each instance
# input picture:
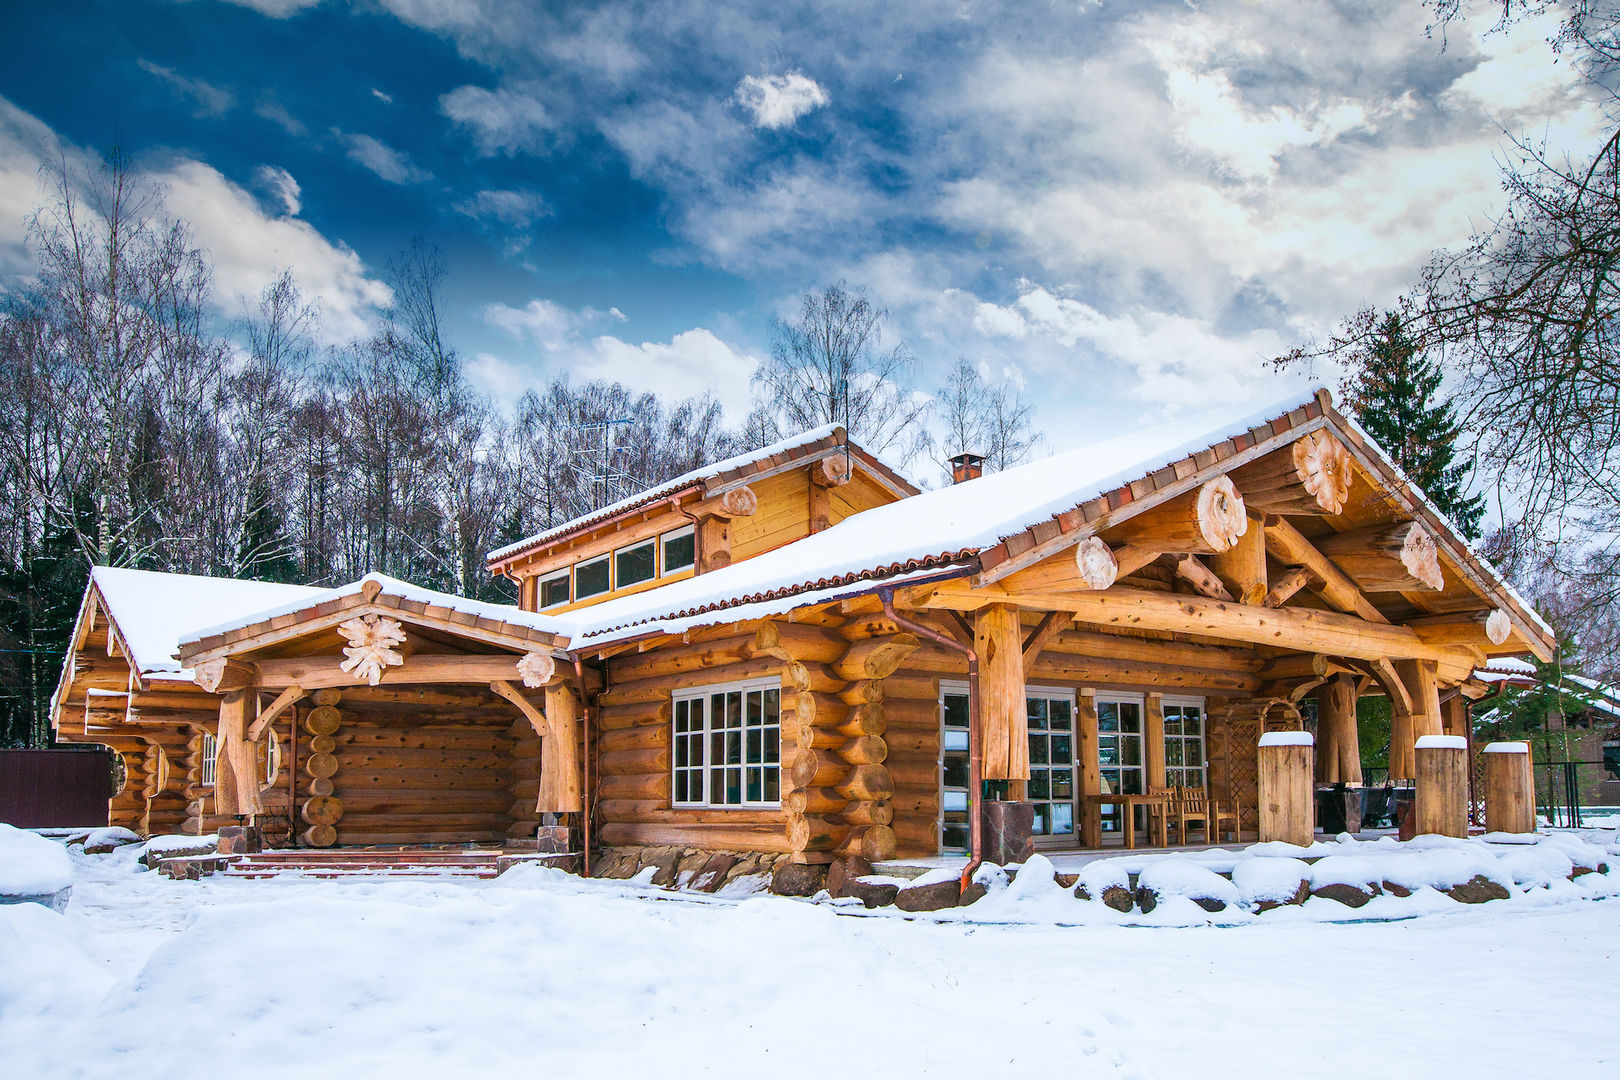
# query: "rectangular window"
(591, 578)
(1119, 752)
(680, 550)
(1184, 764)
(554, 590)
(955, 799)
(633, 565)
(1051, 760)
(210, 751)
(727, 748)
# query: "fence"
(1564, 789)
(41, 789)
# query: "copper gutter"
(975, 784)
(584, 768)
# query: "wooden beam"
(1287, 585)
(1205, 521)
(1083, 568)
(1289, 546)
(1387, 558)
(1051, 625)
(562, 789)
(1242, 569)
(222, 675)
(1291, 628)
(1201, 578)
(283, 701)
(318, 672)
(1477, 628)
(1310, 477)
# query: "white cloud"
(386, 99)
(249, 249)
(374, 154)
(209, 99)
(279, 184)
(777, 101)
(276, 9)
(277, 114)
(692, 362)
(515, 209)
(505, 119)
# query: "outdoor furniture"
(1222, 816)
(1192, 807)
(1157, 826)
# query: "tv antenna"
(601, 457)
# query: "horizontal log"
(907, 774)
(619, 717)
(1387, 558)
(633, 762)
(812, 768)
(476, 822)
(871, 842)
(868, 812)
(426, 758)
(867, 782)
(814, 833)
(424, 779)
(351, 837)
(629, 809)
(821, 802)
(796, 641)
(714, 837)
(650, 737)
(423, 738)
(864, 692)
(1066, 667)
(667, 815)
(865, 750)
(911, 683)
(875, 657)
(794, 676)
(644, 786)
(452, 803)
(311, 672)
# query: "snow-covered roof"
(700, 475)
(386, 587)
(945, 527)
(153, 610)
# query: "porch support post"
(1153, 741)
(236, 779)
(1003, 706)
(560, 788)
(1090, 768)
(1442, 785)
(1338, 751)
(1420, 679)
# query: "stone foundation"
(689, 868)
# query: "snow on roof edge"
(392, 586)
(667, 487)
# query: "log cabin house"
(797, 652)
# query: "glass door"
(953, 770)
(1051, 761)
(1119, 752)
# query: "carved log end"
(832, 471)
(1096, 562)
(740, 502)
(1323, 465)
(1498, 626)
(536, 669)
(1222, 517)
(1421, 558)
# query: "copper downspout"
(584, 768)
(975, 785)
(697, 538)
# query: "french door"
(1119, 753)
(1053, 783)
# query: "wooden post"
(1243, 567)
(713, 543)
(560, 789)
(236, 773)
(1510, 789)
(1442, 785)
(1419, 677)
(1090, 767)
(1003, 706)
(1153, 741)
(1339, 752)
(1287, 787)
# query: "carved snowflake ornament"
(371, 646)
(537, 668)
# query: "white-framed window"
(209, 753)
(955, 797)
(1119, 752)
(1050, 718)
(555, 589)
(728, 745)
(680, 550)
(634, 564)
(593, 577)
(1184, 764)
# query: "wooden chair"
(1192, 806)
(1159, 816)
(1219, 818)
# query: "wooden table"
(1158, 826)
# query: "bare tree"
(829, 366)
(991, 419)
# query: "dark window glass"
(680, 552)
(554, 591)
(634, 565)
(591, 578)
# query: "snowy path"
(539, 975)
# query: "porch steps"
(368, 862)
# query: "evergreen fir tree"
(1392, 396)
(264, 551)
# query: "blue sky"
(1127, 207)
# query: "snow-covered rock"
(33, 869)
(1166, 878)
(1263, 884)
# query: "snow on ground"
(31, 865)
(537, 973)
